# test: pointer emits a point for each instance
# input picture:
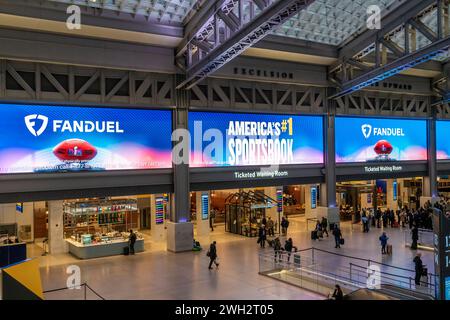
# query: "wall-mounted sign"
(60, 139)
(159, 210)
(19, 207)
(313, 197)
(394, 191)
(279, 200)
(442, 141)
(380, 140)
(263, 73)
(369, 198)
(382, 169)
(441, 229)
(238, 139)
(205, 206)
(262, 174)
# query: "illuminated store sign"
(263, 174)
(441, 229)
(60, 139)
(442, 140)
(380, 140)
(232, 139)
(159, 210)
(313, 197)
(205, 206)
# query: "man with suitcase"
(337, 236)
(418, 268)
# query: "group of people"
(267, 228)
(322, 228)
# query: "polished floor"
(158, 274)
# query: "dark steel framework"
(225, 35)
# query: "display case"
(84, 217)
(87, 246)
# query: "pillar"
(203, 210)
(180, 231)
(56, 241)
(327, 206)
(310, 213)
(391, 203)
(273, 213)
(429, 186)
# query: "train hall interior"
(302, 145)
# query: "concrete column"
(365, 200)
(310, 212)
(273, 212)
(56, 242)
(180, 231)
(429, 186)
(327, 206)
(391, 203)
(203, 228)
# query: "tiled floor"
(158, 274)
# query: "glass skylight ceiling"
(161, 11)
(330, 21)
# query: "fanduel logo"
(30, 122)
(366, 130)
(71, 126)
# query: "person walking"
(414, 237)
(132, 240)
(212, 215)
(277, 249)
(383, 240)
(365, 222)
(212, 254)
(418, 268)
(283, 226)
(270, 227)
(337, 236)
(288, 247)
(324, 224)
(262, 236)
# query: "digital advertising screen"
(442, 140)
(43, 139)
(380, 140)
(238, 139)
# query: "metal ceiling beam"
(406, 62)
(407, 10)
(407, 56)
(233, 44)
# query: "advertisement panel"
(380, 140)
(442, 141)
(235, 139)
(60, 139)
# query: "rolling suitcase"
(389, 249)
(342, 241)
(313, 235)
(126, 251)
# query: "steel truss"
(30, 82)
(229, 29)
(394, 48)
